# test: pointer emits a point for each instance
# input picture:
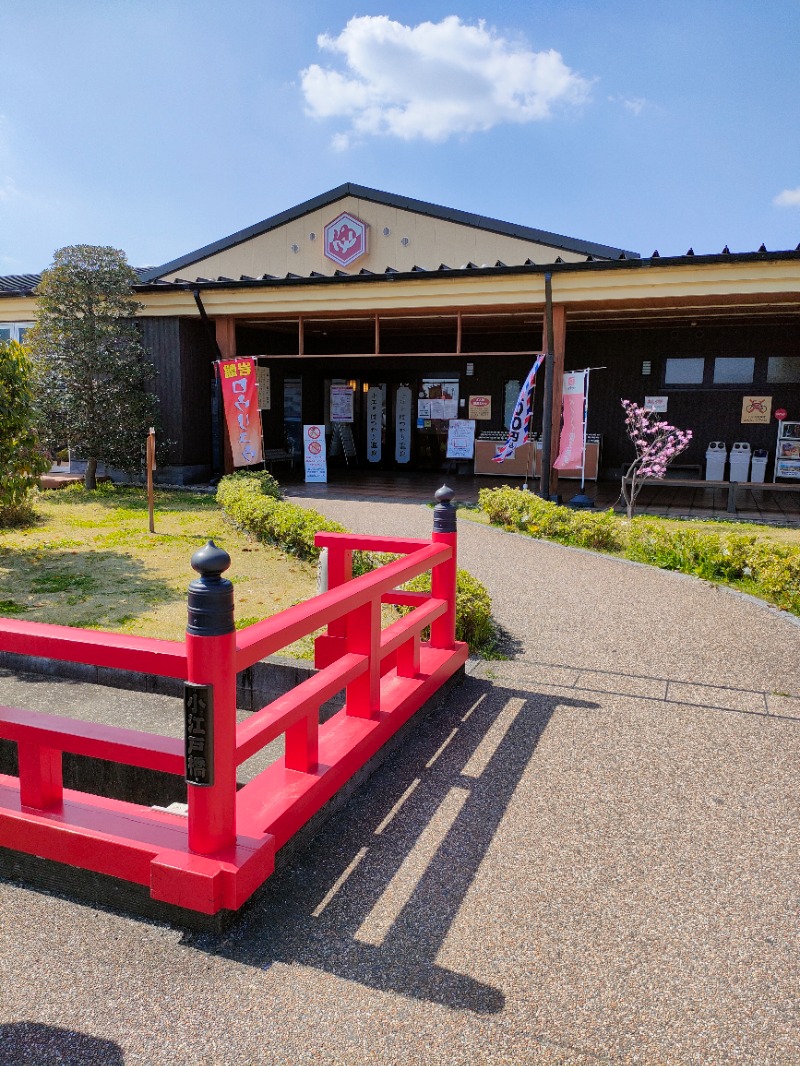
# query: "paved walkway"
(588, 855)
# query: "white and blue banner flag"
(519, 430)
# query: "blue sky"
(157, 127)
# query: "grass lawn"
(90, 561)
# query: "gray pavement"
(587, 854)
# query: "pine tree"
(94, 375)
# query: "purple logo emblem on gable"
(345, 239)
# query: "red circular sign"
(313, 432)
(314, 447)
(780, 414)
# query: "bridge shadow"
(34, 1044)
(375, 896)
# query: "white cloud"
(8, 189)
(788, 198)
(635, 104)
(434, 80)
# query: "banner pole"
(581, 499)
(547, 404)
(585, 424)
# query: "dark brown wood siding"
(183, 361)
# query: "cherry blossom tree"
(656, 443)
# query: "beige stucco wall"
(431, 241)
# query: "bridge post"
(443, 576)
(210, 704)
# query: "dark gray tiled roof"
(24, 284)
(406, 203)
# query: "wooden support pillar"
(559, 348)
(226, 342)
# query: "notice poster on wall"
(264, 384)
(402, 424)
(374, 423)
(480, 407)
(757, 409)
(341, 403)
(461, 438)
(314, 453)
(238, 383)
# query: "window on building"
(510, 394)
(684, 372)
(14, 331)
(737, 370)
(783, 369)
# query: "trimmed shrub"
(525, 512)
(473, 608)
(272, 519)
(763, 568)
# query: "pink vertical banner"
(570, 450)
(238, 380)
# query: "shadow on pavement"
(34, 1044)
(379, 890)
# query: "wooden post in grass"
(150, 459)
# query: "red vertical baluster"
(363, 637)
(40, 780)
(210, 650)
(331, 645)
(443, 576)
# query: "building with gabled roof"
(363, 288)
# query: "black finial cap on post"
(444, 513)
(210, 600)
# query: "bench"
(277, 455)
(731, 486)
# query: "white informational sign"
(656, 403)
(402, 425)
(314, 454)
(423, 409)
(341, 403)
(461, 438)
(374, 423)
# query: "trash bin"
(716, 454)
(740, 461)
(759, 466)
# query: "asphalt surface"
(588, 854)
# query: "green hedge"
(250, 501)
(763, 568)
(525, 512)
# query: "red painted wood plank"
(166, 658)
(128, 746)
(355, 542)
(265, 725)
(404, 628)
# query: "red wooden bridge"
(225, 850)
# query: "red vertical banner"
(570, 452)
(240, 397)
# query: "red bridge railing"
(217, 857)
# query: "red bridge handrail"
(266, 638)
(217, 856)
(94, 647)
